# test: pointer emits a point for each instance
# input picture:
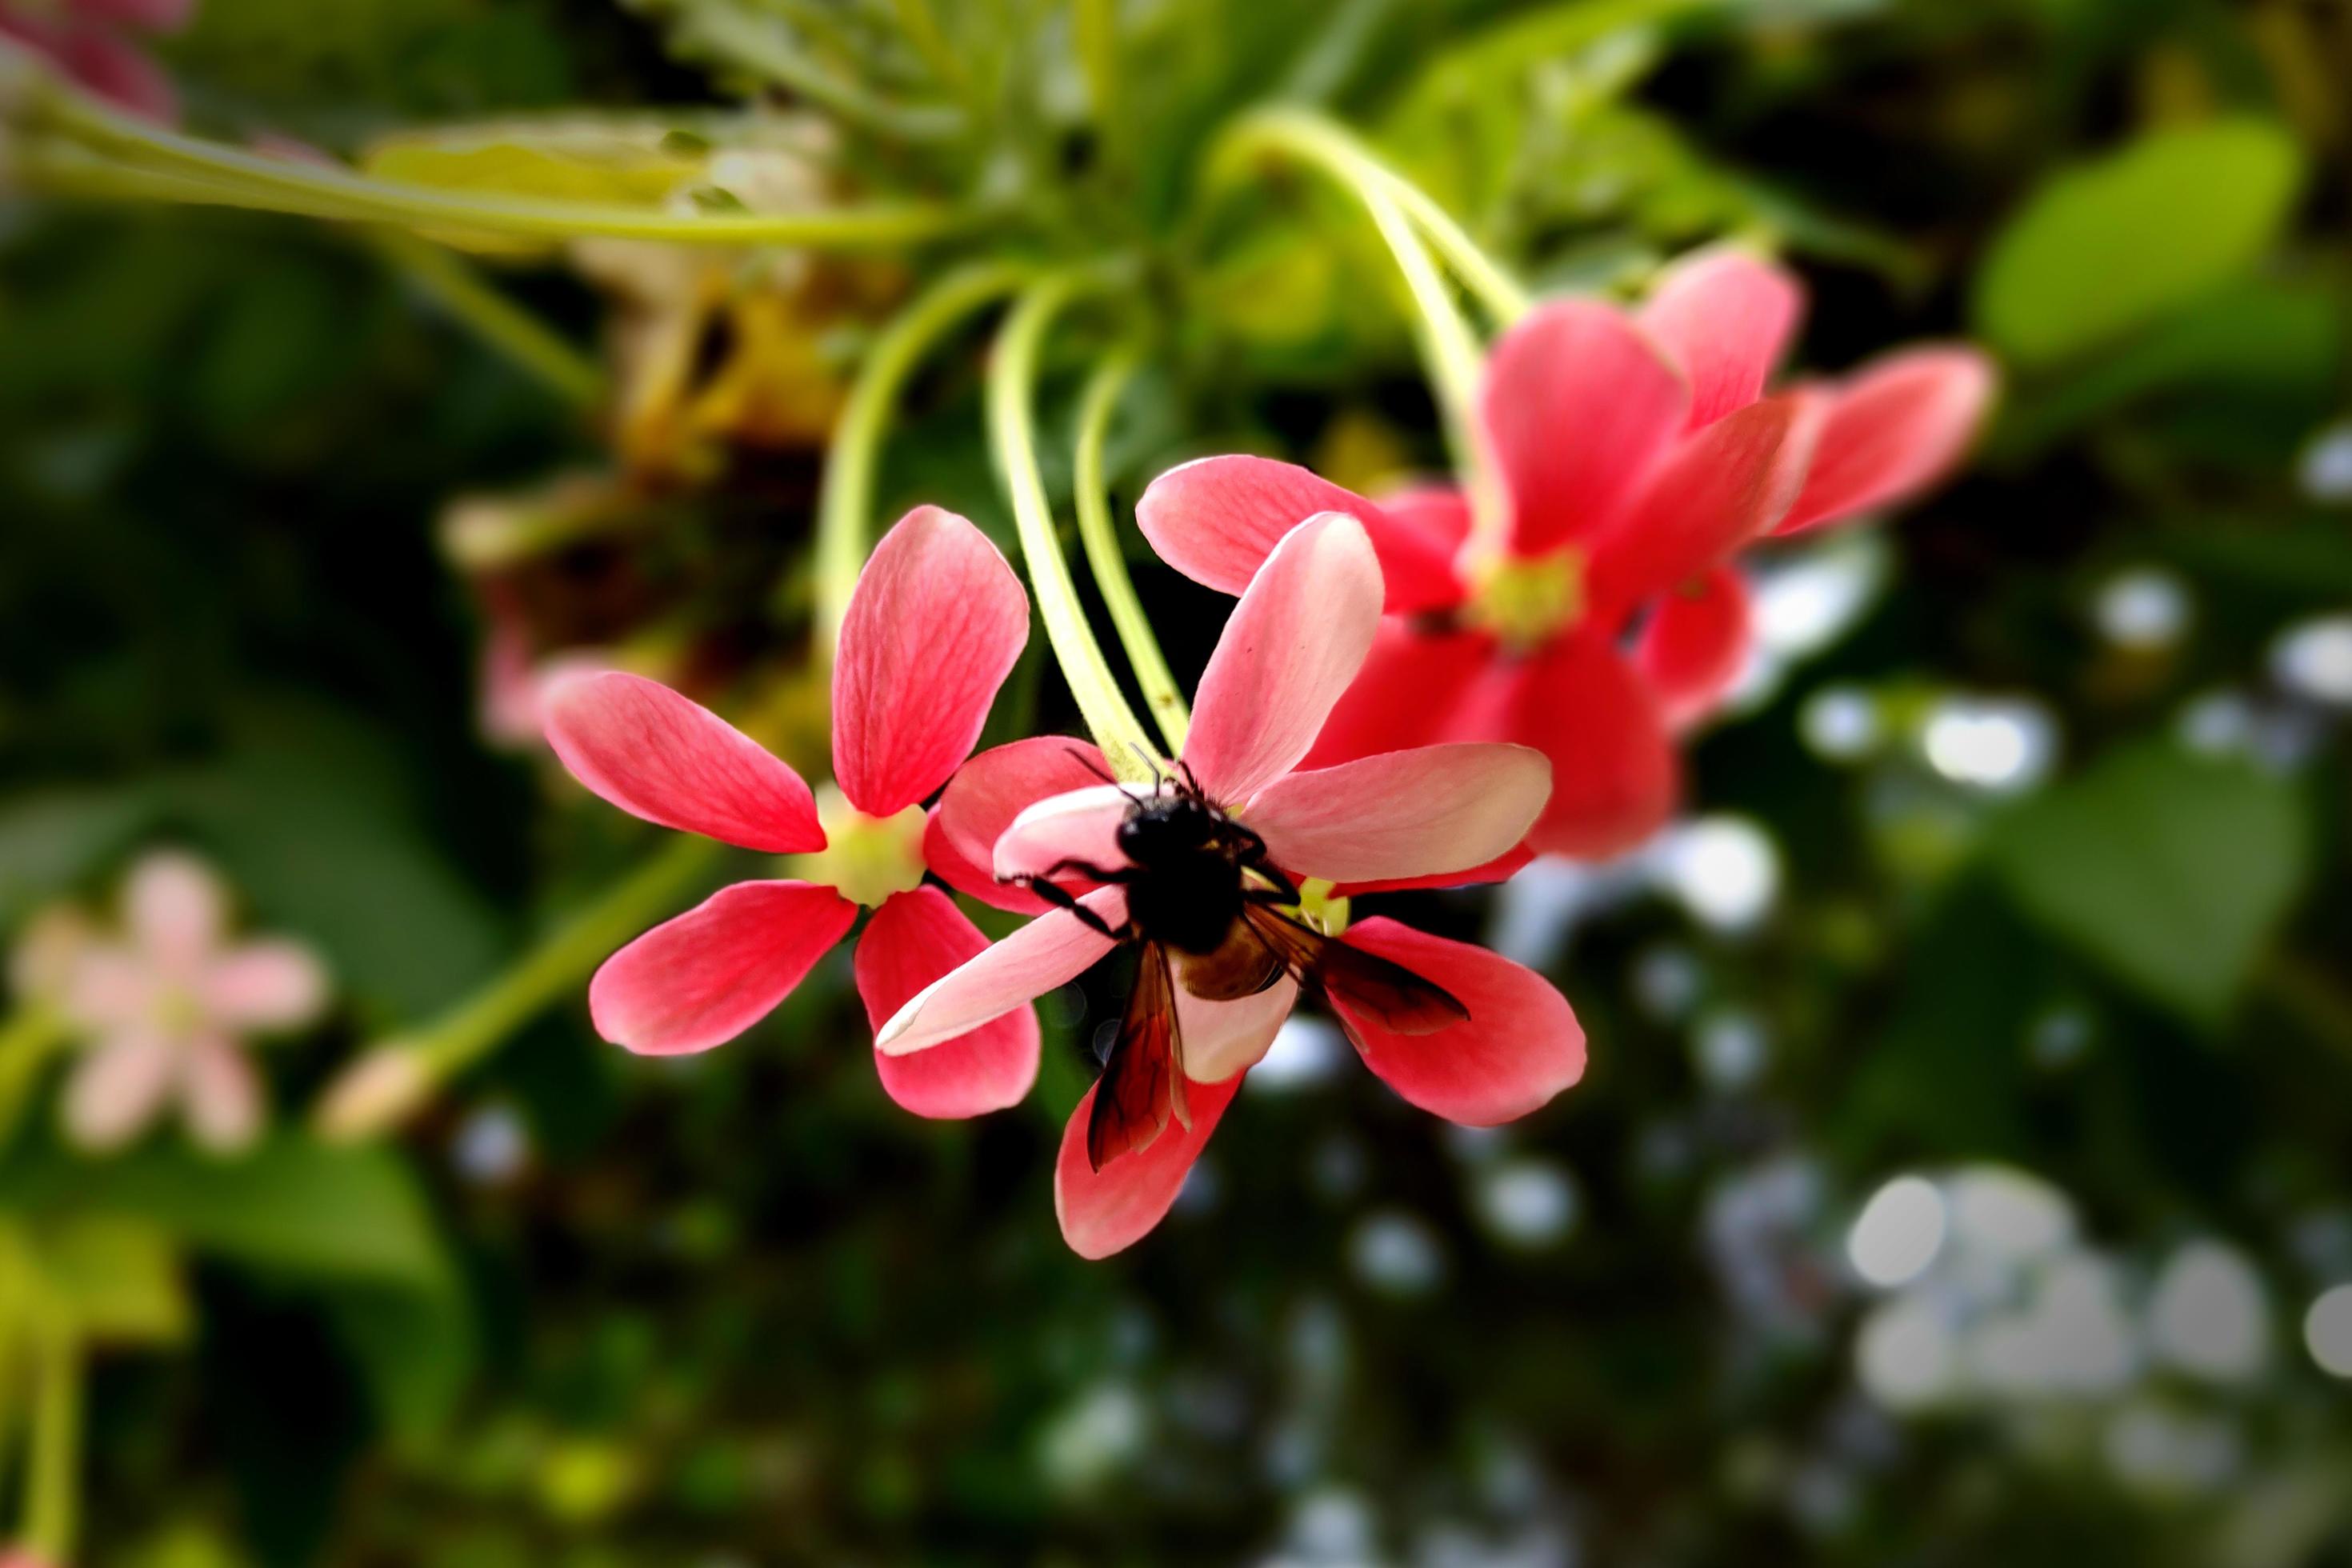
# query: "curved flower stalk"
(1596, 609)
(935, 625)
(1296, 639)
(164, 1007)
(97, 43)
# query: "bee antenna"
(1092, 766)
(1149, 761)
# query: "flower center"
(178, 1011)
(1523, 600)
(866, 858)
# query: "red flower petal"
(703, 978)
(658, 755)
(1106, 1211)
(1578, 403)
(1292, 646)
(1894, 429)
(981, 802)
(1216, 519)
(1695, 645)
(1050, 951)
(1429, 811)
(1725, 317)
(1501, 869)
(1412, 682)
(1614, 775)
(935, 625)
(912, 939)
(1520, 1047)
(1719, 489)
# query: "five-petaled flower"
(1634, 454)
(1296, 639)
(94, 42)
(936, 623)
(164, 1007)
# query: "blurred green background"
(2017, 870)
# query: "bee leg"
(1283, 891)
(1061, 898)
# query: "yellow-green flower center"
(1525, 601)
(866, 858)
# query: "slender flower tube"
(1596, 609)
(936, 622)
(1295, 640)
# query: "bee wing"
(1244, 965)
(1142, 1085)
(1403, 1000)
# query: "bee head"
(1162, 828)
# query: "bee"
(1208, 909)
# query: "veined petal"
(1695, 644)
(1294, 642)
(1501, 869)
(912, 939)
(1082, 824)
(1106, 1211)
(1613, 770)
(1225, 1040)
(1725, 317)
(935, 625)
(1216, 519)
(1520, 1045)
(1577, 404)
(264, 985)
(1425, 812)
(1893, 430)
(660, 757)
(1715, 492)
(981, 802)
(1412, 682)
(1052, 950)
(703, 978)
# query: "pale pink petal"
(264, 985)
(1577, 402)
(935, 625)
(981, 802)
(117, 1089)
(1895, 429)
(1614, 773)
(222, 1096)
(1695, 645)
(1294, 643)
(1216, 519)
(48, 950)
(1520, 1045)
(1080, 825)
(1222, 1040)
(1421, 813)
(912, 939)
(1717, 490)
(705, 977)
(1501, 869)
(660, 757)
(110, 986)
(1106, 1211)
(175, 910)
(1052, 950)
(1725, 318)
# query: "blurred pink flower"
(1636, 454)
(936, 623)
(1430, 813)
(164, 1007)
(95, 42)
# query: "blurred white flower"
(164, 1006)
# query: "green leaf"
(51, 840)
(2170, 870)
(119, 1278)
(2111, 246)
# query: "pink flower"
(166, 1008)
(93, 42)
(1295, 640)
(1636, 455)
(936, 623)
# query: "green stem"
(738, 35)
(123, 157)
(27, 1043)
(845, 503)
(1108, 564)
(1012, 391)
(460, 289)
(1337, 151)
(52, 1471)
